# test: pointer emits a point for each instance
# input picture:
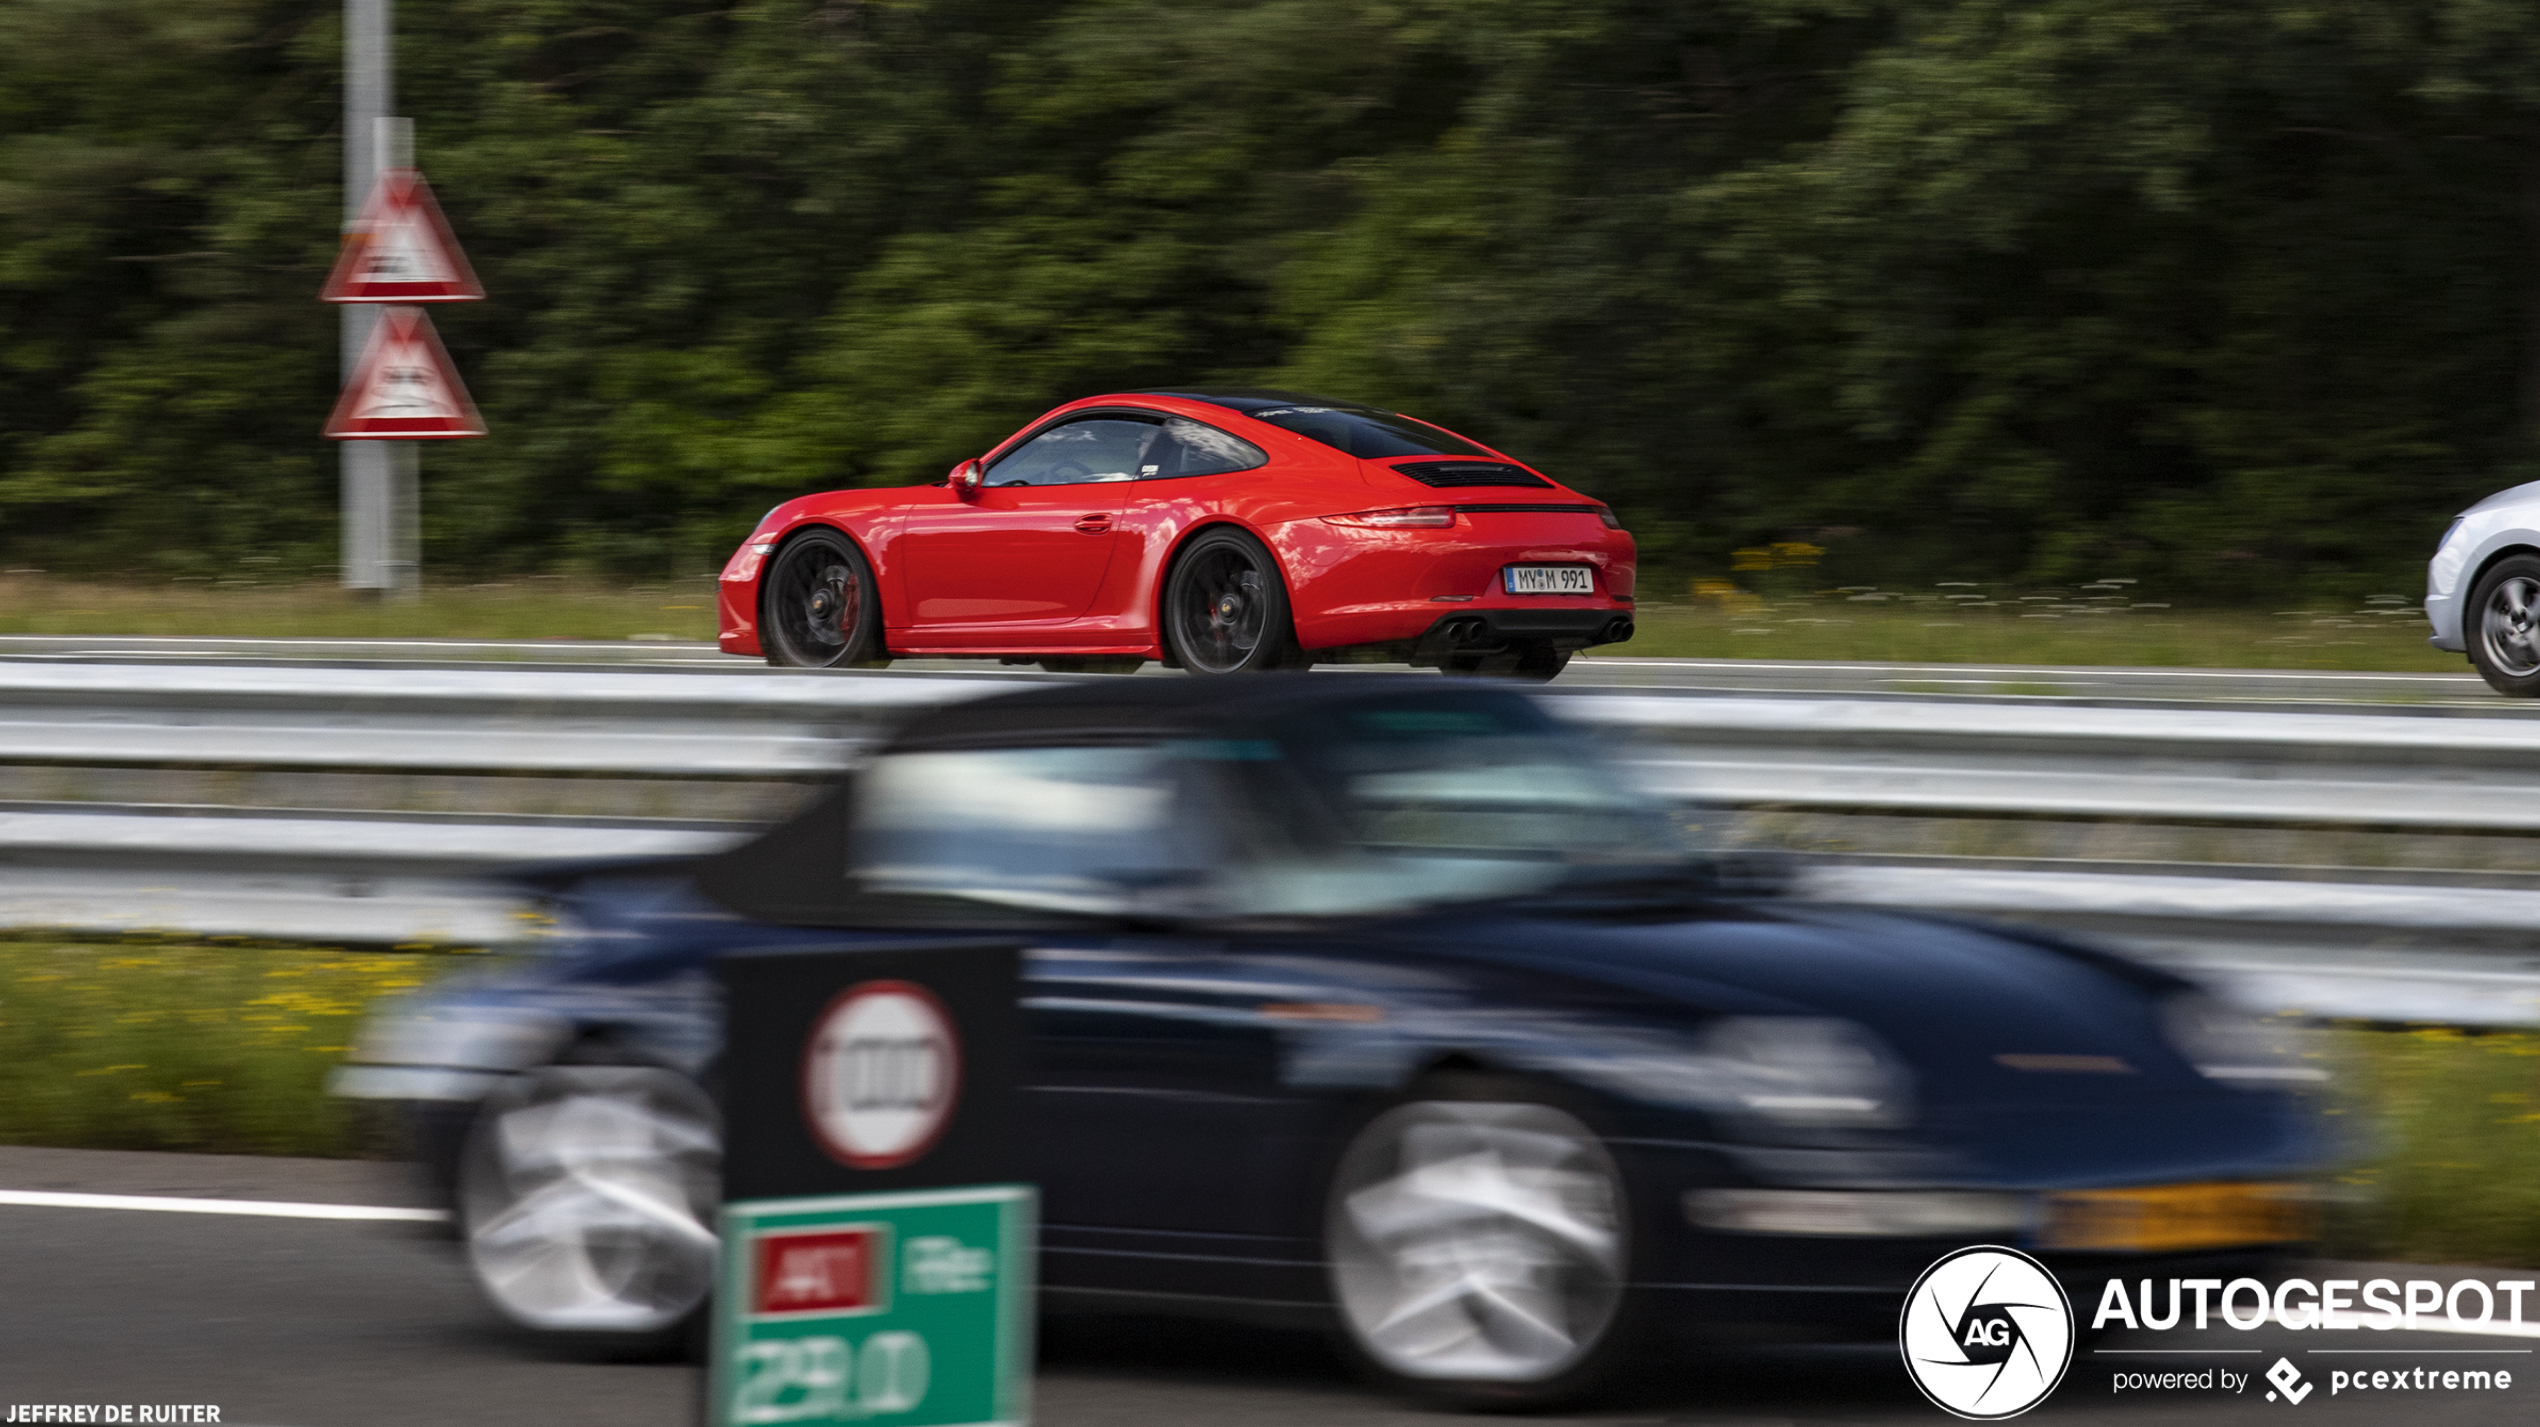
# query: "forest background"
(2240, 299)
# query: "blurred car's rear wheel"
(1226, 609)
(586, 1198)
(817, 605)
(1479, 1242)
(2504, 626)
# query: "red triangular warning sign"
(404, 388)
(401, 249)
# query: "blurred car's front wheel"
(587, 1197)
(1479, 1241)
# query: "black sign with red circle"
(849, 1069)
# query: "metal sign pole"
(378, 479)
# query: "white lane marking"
(170, 1204)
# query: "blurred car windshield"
(1376, 805)
(1363, 432)
(1063, 829)
(1429, 798)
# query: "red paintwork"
(1008, 570)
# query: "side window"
(1192, 449)
(1098, 448)
(1066, 829)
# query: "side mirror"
(1755, 872)
(965, 478)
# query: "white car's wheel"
(1479, 1249)
(2503, 626)
(587, 1197)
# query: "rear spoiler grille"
(1471, 473)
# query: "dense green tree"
(2243, 300)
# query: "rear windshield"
(1361, 432)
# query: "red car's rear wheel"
(818, 606)
(1226, 609)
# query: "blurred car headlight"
(1845, 1213)
(471, 1039)
(1806, 1071)
(2237, 1048)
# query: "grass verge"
(188, 1045)
(2452, 1133)
(2064, 628)
(2104, 624)
(192, 1045)
(534, 607)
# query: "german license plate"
(1550, 580)
(2171, 1217)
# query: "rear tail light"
(1416, 517)
(1606, 513)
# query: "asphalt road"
(317, 1323)
(2454, 693)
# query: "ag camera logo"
(1987, 1333)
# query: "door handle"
(1096, 524)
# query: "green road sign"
(884, 1310)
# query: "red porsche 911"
(1219, 531)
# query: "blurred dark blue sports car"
(1381, 1004)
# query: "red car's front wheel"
(818, 604)
(1226, 609)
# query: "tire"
(2502, 625)
(586, 1201)
(817, 606)
(1225, 608)
(1533, 663)
(1479, 1240)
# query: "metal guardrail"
(385, 875)
(1994, 759)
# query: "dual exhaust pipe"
(1468, 631)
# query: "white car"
(2482, 589)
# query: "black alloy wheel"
(2503, 625)
(1226, 609)
(817, 606)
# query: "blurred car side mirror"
(965, 478)
(1755, 872)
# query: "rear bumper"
(1486, 629)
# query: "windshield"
(1429, 798)
(1383, 804)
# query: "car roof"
(1252, 399)
(1126, 708)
